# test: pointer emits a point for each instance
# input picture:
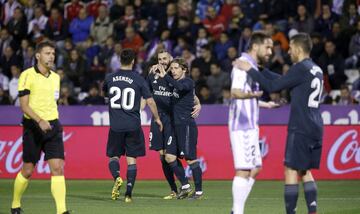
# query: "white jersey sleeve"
(238, 79)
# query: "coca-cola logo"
(348, 154)
(11, 153)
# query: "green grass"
(93, 196)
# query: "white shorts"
(246, 149)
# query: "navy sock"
(169, 174)
(310, 190)
(114, 167)
(179, 172)
(197, 175)
(131, 177)
(291, 195)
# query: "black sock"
(310, 190)
(169, 174)
(114, 167)
(197, 175)
(291, 196)
(179, 172)
(131, 177)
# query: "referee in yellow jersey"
(38, 91)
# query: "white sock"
(240, 193)
(251, 182)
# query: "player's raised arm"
(151, 103)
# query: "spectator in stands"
(226, 9)
(238, 22)
(6, 40)
(107, 51)
(341, 39)
(9, 10)
(226, 96)
(205, 95)
(115, 59)
(75, 68)
(94, 97)
(221, 46)
(4, 82)
(354, 48)
(324, 23)
(91, 50)
(102, 28)
(170, 21)
(198, 79)
(214, 24)
(278, 59)
(37, 24)
(226, 64)
(117, 10)
(188, 56)
(94, 6)
(203, 5)
(140, 8)
(217, 80)
(48, 5)
(13, 84)
(64, 80)
(132, 40)
(80, 27)
(127, 20)
(304, 22)
(146, 29)
(185, 8)
(181, 45)
(183, 29)
(72, 9)
(164, 41)
(349, 18)
(57, 28)
(201, 40)
(332, 64)
(66, 98)
(345, 97)
(18, 25)
(4, 98)
(277, 35)
(29, 57)
(244, 39)
(203, 62)
(7, 60)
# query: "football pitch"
(93, 197)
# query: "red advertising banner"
(86, 159)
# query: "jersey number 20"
(127, 96)
(314, 97)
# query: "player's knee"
(170, 158)
(113, 159)
(27, 172)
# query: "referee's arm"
(24, 104)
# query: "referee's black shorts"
(36, 141)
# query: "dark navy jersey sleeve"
(145, 91)
(269, 74)
(181, 85)
(289, 80)
(148, 81)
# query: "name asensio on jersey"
(122, 78)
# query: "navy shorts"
(301, 152)
(186, 136)
(164, 140)
(129, 143)
(35, 141)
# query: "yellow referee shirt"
(43, 92)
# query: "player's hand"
(272, 104)
(257, 94)
(158, 121)
(153, 69)
(44, 125)
(241, 64)
(196, 111)
(162, 71)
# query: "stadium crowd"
(208, 34)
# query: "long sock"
(131, 177)
(240, 193)
(310, 190)
(197, 175)
(251, 182)
(58, 191)
(20, 185)
(169, 174)
(179, 172)
(291, 195)
(114, 167)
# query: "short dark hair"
(127, 56)
(302, 40)
(258, 37)
(42, 45)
